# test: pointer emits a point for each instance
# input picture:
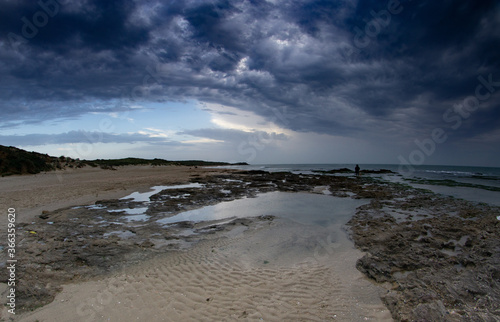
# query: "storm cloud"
(389, 70)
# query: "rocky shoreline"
(437, 256)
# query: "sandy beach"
(223, 276)
(211, 244)
(31, 194)
(220, 280)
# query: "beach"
(180, 243)
(220, 272)
(250, 160)
(53, 190)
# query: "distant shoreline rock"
(347, 170)
(381, 171)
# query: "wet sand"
(226, 279)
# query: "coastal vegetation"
(15, 161)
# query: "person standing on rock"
(356, 170)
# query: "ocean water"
(428, 171)
(478, 184)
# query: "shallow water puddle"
(131, 211)
(138, 214)
(137, 218)
(303, 208)
(144, 196)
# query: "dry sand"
(220, 279)
(31, 194)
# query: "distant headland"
(15, 161)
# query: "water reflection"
(305, 208)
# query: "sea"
(477, 184)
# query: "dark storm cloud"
(59, 25)
(337, 67)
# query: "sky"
(277, 81)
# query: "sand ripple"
(293, 278)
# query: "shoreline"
(393, 208)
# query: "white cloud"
(156, 133)
(231, 118)
(202, 140)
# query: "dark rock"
(342, 170)
(45, 215)
(374, 268)
(435, 278)
(434, 311)
(252, 172)
(184, 224)
(381, 171)
(146, 244)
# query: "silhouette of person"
(356, 170)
